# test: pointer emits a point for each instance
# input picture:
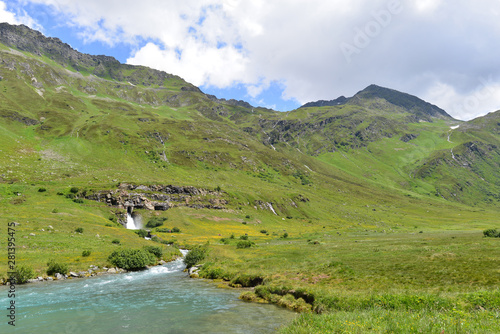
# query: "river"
(159, 300)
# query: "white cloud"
(16, 18)
(469, 105)
(417, 46)
(6, 16)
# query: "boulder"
(73, 274)
(49, 279)
(112, 270)
(59, 276)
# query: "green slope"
(352, 184)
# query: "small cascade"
(130, 222)
(133, 221)
(270, 206)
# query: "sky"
(281, 54)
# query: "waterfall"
(130, 222)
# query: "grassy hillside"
(357, 211)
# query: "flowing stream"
(160, 300)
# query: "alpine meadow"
(372, 213)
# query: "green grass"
(373, 228)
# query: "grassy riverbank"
(422, 274)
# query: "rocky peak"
(406, 101)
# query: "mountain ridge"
(173, 125)
(29, 40)
(404, 100)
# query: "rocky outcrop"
(158, 197)
(407, 137)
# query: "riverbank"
(433, 281)
(159, 300)
(93, 271)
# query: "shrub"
(263, 231)
(131, 259)
(244, 244)
(55, 211)
(141, 233)
(244, 237)
(285, 235)
(23, 274)
(155, 222)
(225, 241)
(115, 241)
(195, 255)
(70, 196)
(108, 225)
(247, 216)
(79, 230)
(491, 233)
(60, 194)
(55, 267)
(212, 273)
(232, 236)
(176, 230)
(163, 230)
(86, 253)
(42, 190)
(78, 200)
(74, 190)
(155, 250)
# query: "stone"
(193, 270)
(49, 279)
(50, 226)
(40, 279)
(112, 270)
(32, 234)
(59, 276)
(73, 274)
(32, 280)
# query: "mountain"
(377, 200)
(409, 102)
(72, 118)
